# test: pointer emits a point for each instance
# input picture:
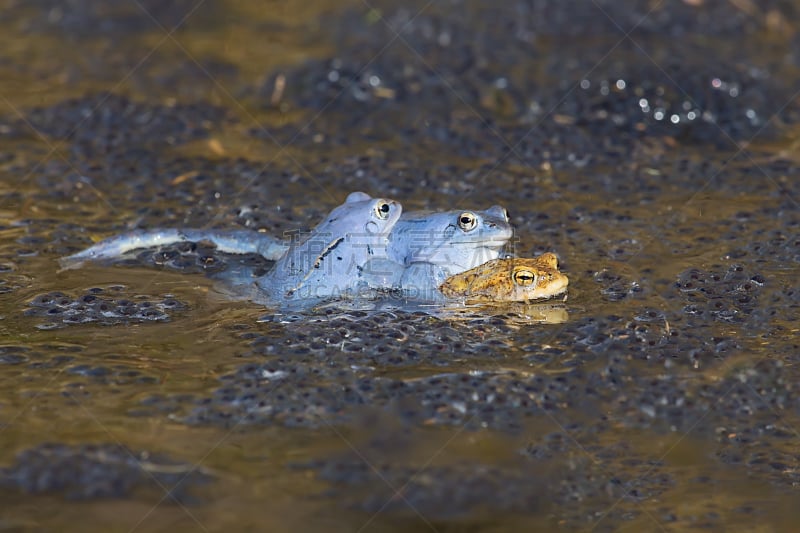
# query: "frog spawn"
(100, 471)
(458, 488)
(293, 389)
(632, 336)
(105, 306)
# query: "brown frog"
(508, 280)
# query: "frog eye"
(524, 277)
(382, 209)
(467, 221)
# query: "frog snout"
(499, 212)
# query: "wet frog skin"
(229, 241)
(324, 264)
(425, 248)
(498, 282)
(508, 280)
(457, 240)
(454, 240)
(320, 265)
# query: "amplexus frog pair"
(368, 245)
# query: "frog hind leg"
(229, 241)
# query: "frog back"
(324, 263)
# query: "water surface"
(657, 165)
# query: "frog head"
(508, 280)
(362, 224)
(326, 260)
(455, 240)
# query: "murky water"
(660, 168)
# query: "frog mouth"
(493, 244)
(495, 247)
(479, 246)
